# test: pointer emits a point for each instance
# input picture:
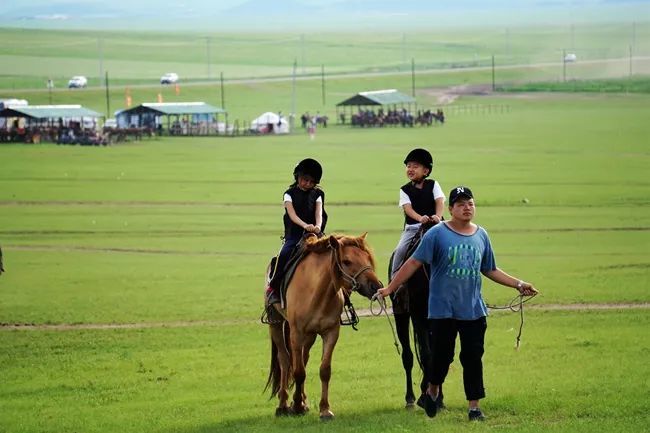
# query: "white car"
(570, 58)
(77, 82)
(169, 78)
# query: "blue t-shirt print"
(464, 261)
(456, 262)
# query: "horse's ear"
(334, 243)
(363, 236)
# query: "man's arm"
(405, 272)
(500, 277)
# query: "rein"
(352, 317)
(515, 307)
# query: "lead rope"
(382, 307)
(515, 307)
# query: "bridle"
(351, 316)
(352, 279)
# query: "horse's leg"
(299, 372)
(402, 329)
(329, 341)
(282, 354)
(305, 355)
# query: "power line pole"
(293, 94)
(207, 43)
(493, 82)
(322, 72)
(413, 77)
(302, 52)
(223, 103)
(100, 54)
(108, 100)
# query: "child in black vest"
(304, 204)
(421, 199)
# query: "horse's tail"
(273, 381)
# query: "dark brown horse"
(410, 309)
(333, 268)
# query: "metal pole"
(293, 94)
(108, 101)
(493, 82)
(223, 103)
(322, 71)
(100, 51)
(207, 43)
(302, 48)
(413, 77)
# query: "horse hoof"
(327, 416)
(409, 405)
(298, 411)
(282, 411)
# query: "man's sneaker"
(430, 405)
(475, 415)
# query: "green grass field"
(178, 231)
(135, 272)
(29, 57)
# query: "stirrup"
(267, 316)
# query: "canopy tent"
(48, 114)
(378, 97)
(270, 123)
(198, 118)
(31, 123)
(375, 98)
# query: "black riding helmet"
(421, 156)
(308, 167)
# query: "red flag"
(127, 96)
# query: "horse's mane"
(316, 245)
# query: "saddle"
(400, 299)
(272, 314)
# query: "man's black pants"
(442, 340)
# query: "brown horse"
(333, 267)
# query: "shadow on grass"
(391, 420)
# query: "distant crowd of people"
(401, 117)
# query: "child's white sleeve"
(437, 191)
(403, 198)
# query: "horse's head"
(356, 264)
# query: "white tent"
(270, 123)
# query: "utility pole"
(108, 100)
(207, 43)
(100, 54)
(493, 81)
(322, 72)
(293, 94)
(50, 85)
(413, 76)
(302, 51)
(223, 103)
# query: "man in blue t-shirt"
(458, 252)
